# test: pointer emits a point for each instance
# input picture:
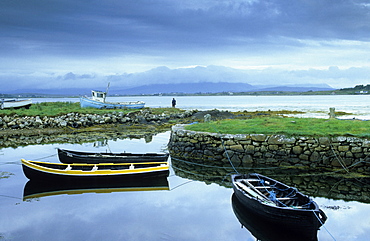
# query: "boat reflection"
(37, 189)
(265, 229)
(348, 186)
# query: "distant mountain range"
(209, 87)
(184, 88)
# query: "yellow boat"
(34, 170)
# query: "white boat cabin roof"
(98, 95)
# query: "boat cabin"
(98, 95)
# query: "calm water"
(315, 106)
(189, 210)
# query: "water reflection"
(197, 210)
(37, 189)
(267, 230)
(98, 138)
(329, 185)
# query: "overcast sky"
(77, 43)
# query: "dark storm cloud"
(113, 27)
(50, 43)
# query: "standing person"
(173, 103)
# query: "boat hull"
(266, 229)
(16, 104)
(69, 157)
(86, 102)
(92, 172)
(311, 217)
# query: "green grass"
(62, 108)
(287, 126)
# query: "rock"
(343, 148)
(207, 118)
(238, 148)
(315, 157)
(280, 139)
(297, 150)
(356, 149)
(258, 137)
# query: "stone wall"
(84, 120)
(326, 153)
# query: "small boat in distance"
(69, 157)
(14, 103)
(277, 202)
(98, 101)
(36, 170)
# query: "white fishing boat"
(14, 103)
(98, 100)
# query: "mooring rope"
(226, 153)
(182, 184)
(44, 157)
(322, 224)
(339, 159)
(10, 197)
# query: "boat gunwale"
(114, 105)
(15, 103)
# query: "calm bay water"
(191, 209)
(314, 105)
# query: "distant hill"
(296, 88)
(184, 88)
(188, 88)
(209, 87)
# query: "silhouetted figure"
(173, 103)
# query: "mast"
(106, 91)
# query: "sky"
(82, 43)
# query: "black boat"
(277, 202)
(263, 228)
(69, 157)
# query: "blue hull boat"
(86, 102)
(98, 101)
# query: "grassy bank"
(62, 108)
(287, 126)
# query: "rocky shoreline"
(16, 125)
(78, 120)
(76, 127)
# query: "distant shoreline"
(16, 96)
(196, 89)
